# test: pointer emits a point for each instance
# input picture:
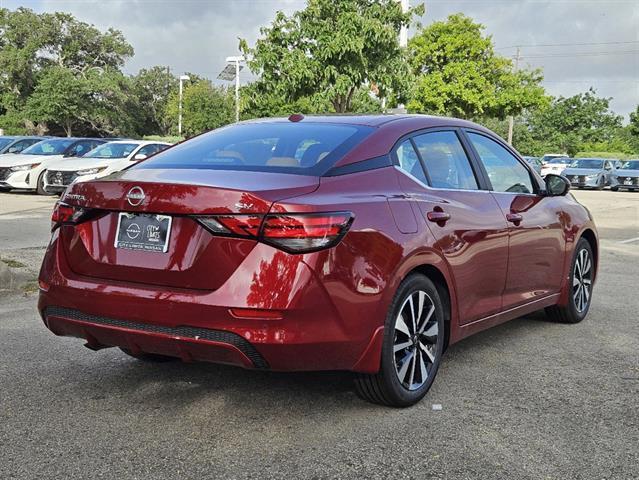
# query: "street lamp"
(183, 78)
(232, 72)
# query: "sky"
(578, 43)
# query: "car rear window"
(286, 147)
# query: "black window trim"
(538, 186)
(476, 168)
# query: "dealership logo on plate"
(135, 196)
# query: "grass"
(30, 287)
(12, 263)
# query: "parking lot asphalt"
(529, 399)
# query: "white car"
(26, 170)
(556, 166)
(102, 161)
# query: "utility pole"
(403, 43)
(232, 72)
(183, 78)
(511, 119)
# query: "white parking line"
(630, 240)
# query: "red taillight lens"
(63, 213)
(293, 232)
(298, 233)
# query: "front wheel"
(580, 281)
(40, 185)
(412, 348)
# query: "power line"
(568, 44)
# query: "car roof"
(370, 120)
(140, 142)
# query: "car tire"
(411, 351)
(40, 185)
(614, 189)
(149, 357)
(580, 283)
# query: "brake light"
(65, 214)
(292, 232)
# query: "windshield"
(587, 163)
(112, 150)
(559, 161)
(630, 165)
(48, 147)
(286, 147)
(5, 141)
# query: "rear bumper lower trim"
(190, 333)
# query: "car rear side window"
(300, 148)
(446, 161)
(409, 161)
(505, 171)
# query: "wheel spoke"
(586, 293)
(575, 295)
(411, 380)
(586, 269)
(401, 346)
(431, 333)
(400, 325)
(575, 281)
(422, 367)
(420, 306)
(401, 373)
(587, 281)
(426, 350)
(427, 319)
(412, 312)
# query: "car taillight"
(66, 214)
(291, 232)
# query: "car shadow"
(177, 386)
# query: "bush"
(617, 155)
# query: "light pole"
(183, 78)
(232, 72)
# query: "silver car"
(590, 172)
(626, 176)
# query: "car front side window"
(505, 171)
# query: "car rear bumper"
(307, 333)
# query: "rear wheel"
(149, 357)
(581, 278)
(412, 348)
(614, 189)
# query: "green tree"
(204, 107)
(634, 122)
(459, 74)
(332, 48)
(152, 88)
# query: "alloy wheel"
(416, 340)
(582, 280)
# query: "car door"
(535, 222)
(608, 171)
(468, 226)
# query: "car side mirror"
(556, 185)
(13, 150)
(139, 156)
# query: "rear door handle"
(514, 218)
(438, 216)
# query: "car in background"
(555, 166)
(26, 170)
(16, 144)
(590, 172)
(361, 243)
(549, 157)
(626, 176)
(102, 161)
(534, 162)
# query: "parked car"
(16, 144)
(361, 243)
(555, 166)
(626, 176)
(550, 157)
(590, 172)
(99, 162)
(26, 170)
(534, 162)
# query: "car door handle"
(515, 218)
(438, 216)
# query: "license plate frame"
(143, 232)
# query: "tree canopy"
(458, 73)
(332, 48)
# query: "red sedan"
(366, 244)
